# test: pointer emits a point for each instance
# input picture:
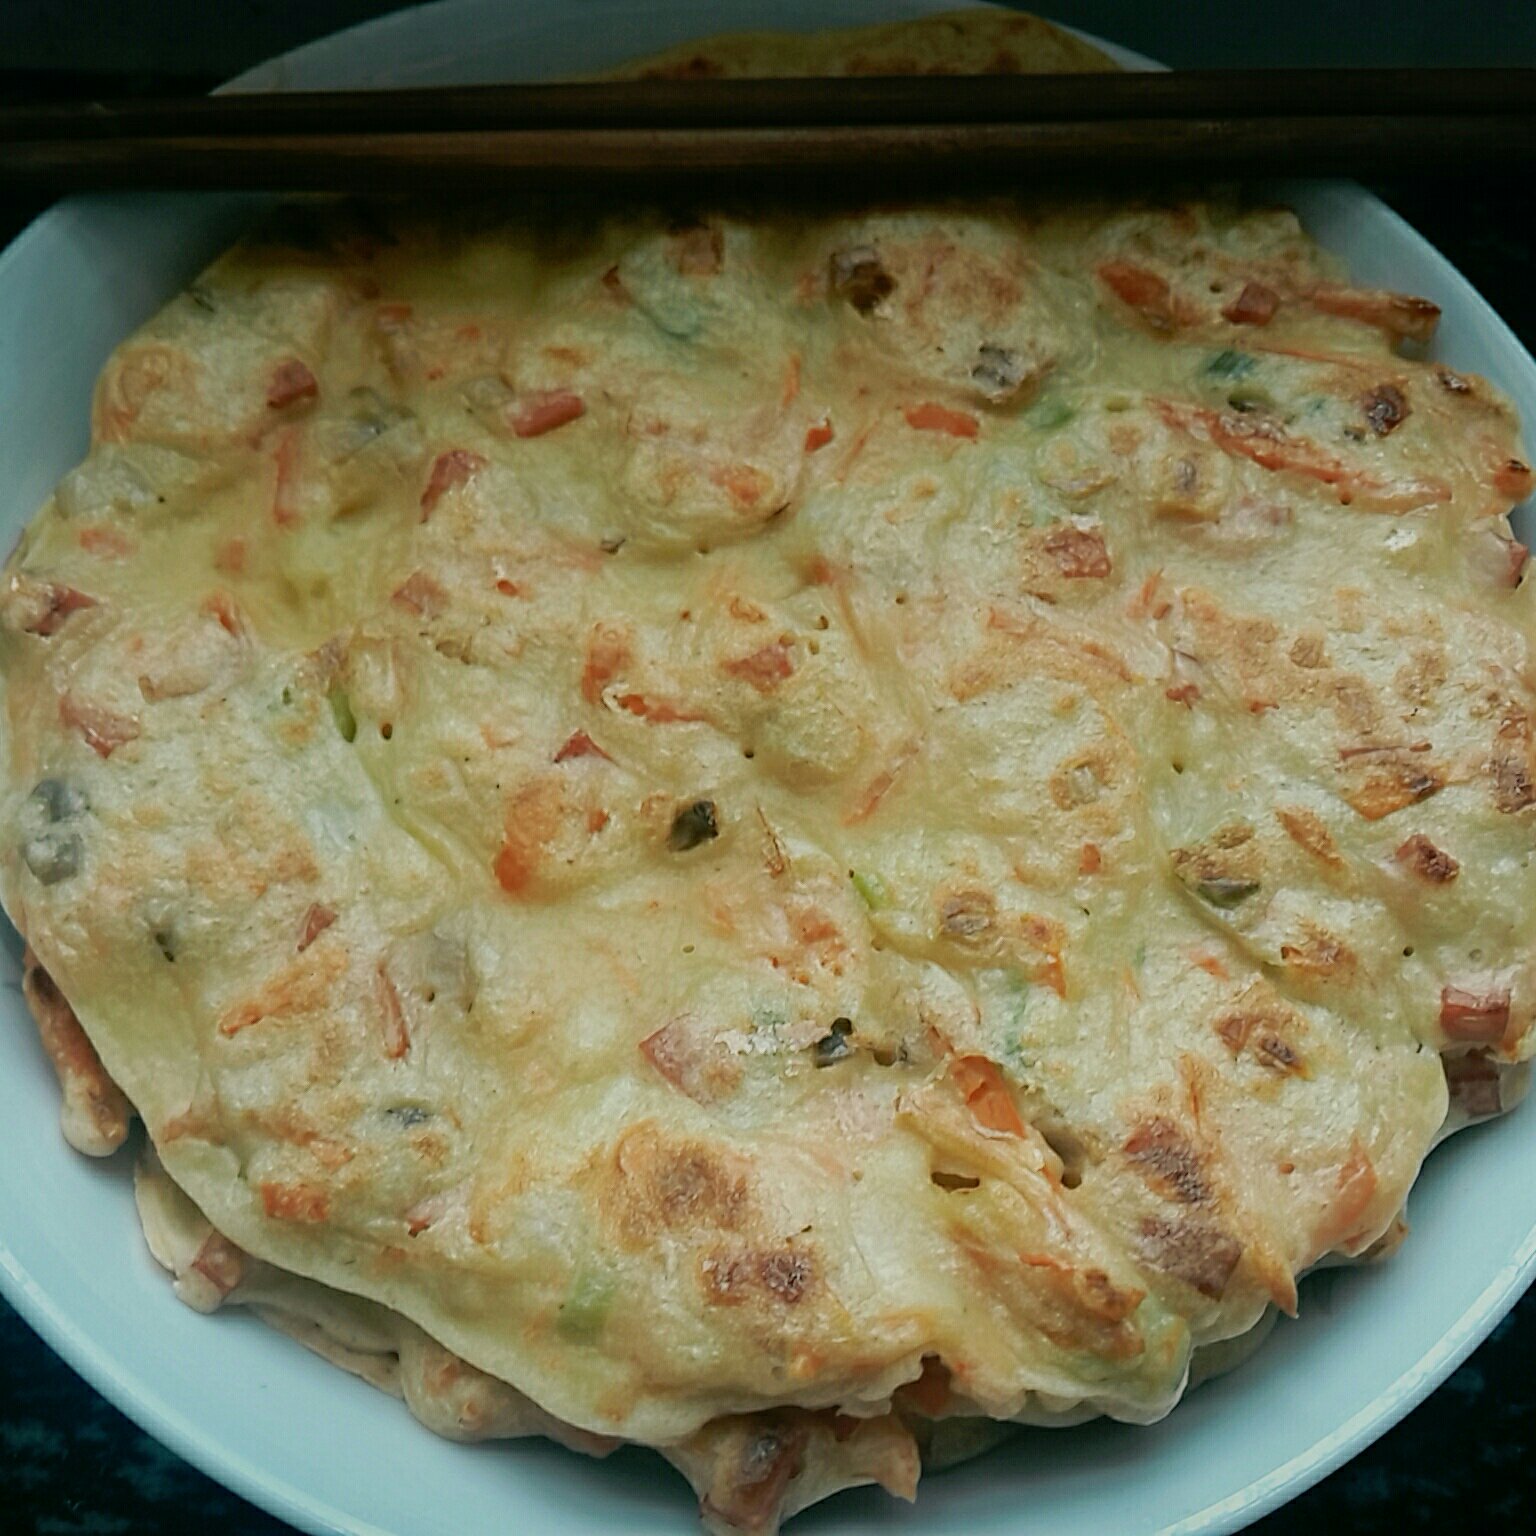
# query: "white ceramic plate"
(330, 1454)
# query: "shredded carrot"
(1398, 314)
(764, 669)
(932, 417)
(745, 484)
(657, 711)
(448, 470)
(818, 434)
(107, 542)
(1144, 291)
(579, 744)
(852, 452)
(536, 414)
(875, 791)
(986, 1094)
(1051, 973)
(791, 380)
(295, 1202)
(291, 383)
(1271, 447)
(221, 606)
(58, 603)
(397, 1039)
(422, 594)
(421, 1216)
(1255, 305)
(1513, 478)
(607, 655)
(515, 866)
(1147, 601)
(316, 921)
(103, 729)
(1356, 1188)
(229, 557)
(285, 459)
(1210, 964)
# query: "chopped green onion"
(1228, 364)
(581, 1315)
(1048, 414)
(341, 711)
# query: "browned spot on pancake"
(1429, 863)
(967, 914)
(1081, 781)
(1316, 952)
(1200, 1255)
(1422, 676)
(1079, 1307)
(1385, 409)
(1168, 1161)
(1309, 652)
(1308, 830)
(422, 595)
(1078, 552)
(1512, 767)
(1391, 782)
(730, 1278)
(662, 1184)
(295, 1202)
(1354, 705)
(689, 1055)
(1264, 1028)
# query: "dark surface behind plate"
(71, 1465)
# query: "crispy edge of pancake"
(750, 1472)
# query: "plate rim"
(138, 1399)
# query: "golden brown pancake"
(765, 828)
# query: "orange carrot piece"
(536, 414)
(986, 1094)
(932, 417)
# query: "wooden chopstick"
(889, 100)
(903, 128)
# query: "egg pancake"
(761, 830)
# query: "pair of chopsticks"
(943, 129)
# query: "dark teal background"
(70, 1465)
(219, 37)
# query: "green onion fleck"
(341, 711)
(1048, 414)
(581, 1315)
(1228, 364)
(871, 888)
